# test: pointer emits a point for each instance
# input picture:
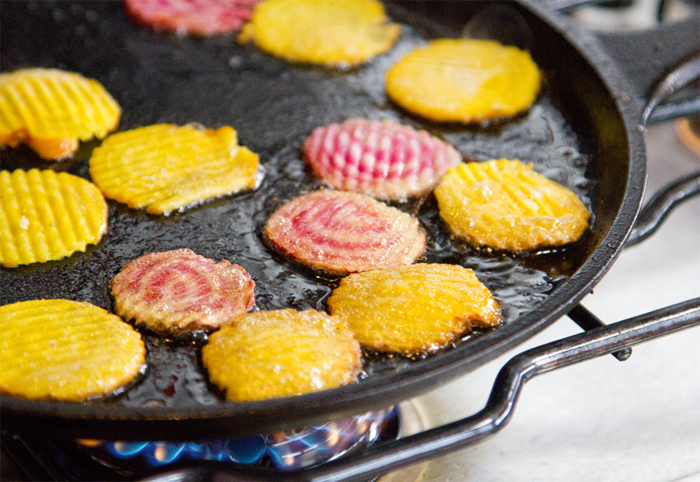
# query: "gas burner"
(282, 451)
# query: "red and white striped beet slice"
(196, 17)
(341, 232)
(178, 292)
(381, 158)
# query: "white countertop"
(602, 420)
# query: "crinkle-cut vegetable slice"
(270, 354)
(381, 158)
(193, 17)
(413, 309)
(341, 232)
(337, 33)
(164, 167)
(52, 110)
(506, 205)
(179, 291)
(65, 350)
(467, 81)
(46, 216)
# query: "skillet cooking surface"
(274, 106)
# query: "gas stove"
(602, 420)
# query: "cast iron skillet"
(585, 131)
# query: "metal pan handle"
(657, 62)
(380, 459)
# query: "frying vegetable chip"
(413, 309)
(51, 111)
(179, 291)
(458, 80)
(341, 232)
(192, 17)
(45, 216)
(335, 33)
(381, 158)
(164, 167)
(506, 205)
(65, 350)
(281, 353)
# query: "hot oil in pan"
(274, 106)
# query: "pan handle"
(658, 62)
(379, 459)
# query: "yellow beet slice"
(270, 354)
(336, 33)
(65, 350)
(52, 110)
(459, 80)
(164, 167)
(45, 216)
(506, 205)
(413, 309)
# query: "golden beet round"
(164, 168)
(46, 216)
(337, 33)
(52, 110)
(506, 205)
(270, 354)
(467, 81)
(413, 309)
(65, 350)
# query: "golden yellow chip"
(413, 309)
(337, 33)
(458, 80)
(65, 350)
(165, 167)
(45, 216)
(51, 111)
(270, 354)
(506, 205)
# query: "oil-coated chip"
(270, 354)
(341, 232)
(164, 167)
(334, 33)
(51, 111)
(413, 309)
(66, 350)
(381, 158)
(192, 17)
(506, 205)
(466, 81)
(46, 216)
(178, 292)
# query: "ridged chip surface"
(381, 158)
(467, 81)
(164, 168)
(340, 232)
(506, 205)
(193, 17)
(46, 216)
(336, 33)
(178, 292)
(414, 309)
(271, 354)
(65, 350)
(52, 111)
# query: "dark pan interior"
(574, 134)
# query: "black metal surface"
(580, 132)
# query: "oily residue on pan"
(274, 106)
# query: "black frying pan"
(584, 131)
